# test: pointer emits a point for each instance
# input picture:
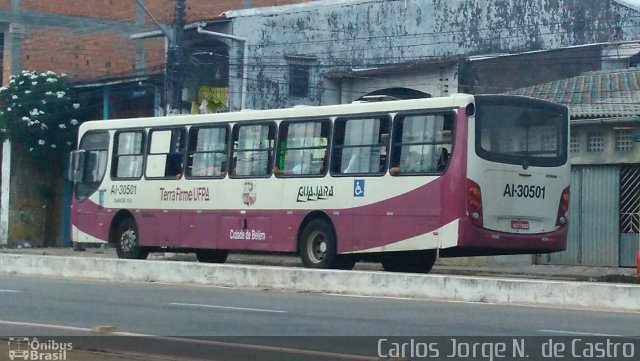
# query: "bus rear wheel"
(318, 247)
(128, 242)
(212, 255)
(410, 261)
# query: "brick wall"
(81, 56)
(5, 4)
(107, 9)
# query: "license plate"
(520, 224)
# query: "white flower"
(2, 89)
(53, 145)
(4, 131)
(62, 126)
(69, 143)
(63, 74)
(34, 83)
(26, 119)
(48, 93)
(21, 82)
(27, 91)
(12, 81)
(36, 122)
(33, 77)
(30, 123)
(14, 97)
(31, 149)
(49, 72)
(73, 122)
(43, 126)
(40, 112)
(60, 94)
(41, 141)
(43, 101)
(9, 109)
(51, 80)
(76, 105)
(34, 112)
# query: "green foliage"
(37, 111)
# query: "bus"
(398, 182)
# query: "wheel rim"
(128, 240)
(317, 247)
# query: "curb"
(566, 294)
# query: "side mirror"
(77, 164)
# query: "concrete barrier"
(603, 296)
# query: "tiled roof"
(598, 94)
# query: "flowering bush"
(38, 112)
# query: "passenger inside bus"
(410, 164)
(443, 160)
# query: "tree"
(37, 112)
(40, 118)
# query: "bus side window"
(128, 155)
(421, 143)
(303, 148)
(207, 151)
(253, 149)
(166, 153)
(360, 145)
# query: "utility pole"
(175, 55)
(177, 52)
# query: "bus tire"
(317, 245)
(128, 241)
(212, 255)
(410, 261)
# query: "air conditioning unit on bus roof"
(375, 98)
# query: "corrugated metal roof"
(598, 94)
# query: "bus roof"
(452, 101)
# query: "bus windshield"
(526, 131)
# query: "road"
(35, 306)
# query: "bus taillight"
(474, 203)
(563, 208)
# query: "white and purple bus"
(397, 182)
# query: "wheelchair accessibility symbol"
(358, 187)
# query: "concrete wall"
(350, 33)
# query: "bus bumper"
(475, 241)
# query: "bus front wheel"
(212, 255)
(128, 242)
(410, 261)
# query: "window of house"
(574, 144)
(422, 143)
(360, 145)
(252, 150)
(299, 80)
(207, 152)
(595, 142)
(302, 148)
(624, 140)
(128, 155)
(166, 153)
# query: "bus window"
(166, 153)
(128, 155)
(421, 143)
(303, 148)
(97, 146)
(360, 145)
(207, 152)
(253, 150)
